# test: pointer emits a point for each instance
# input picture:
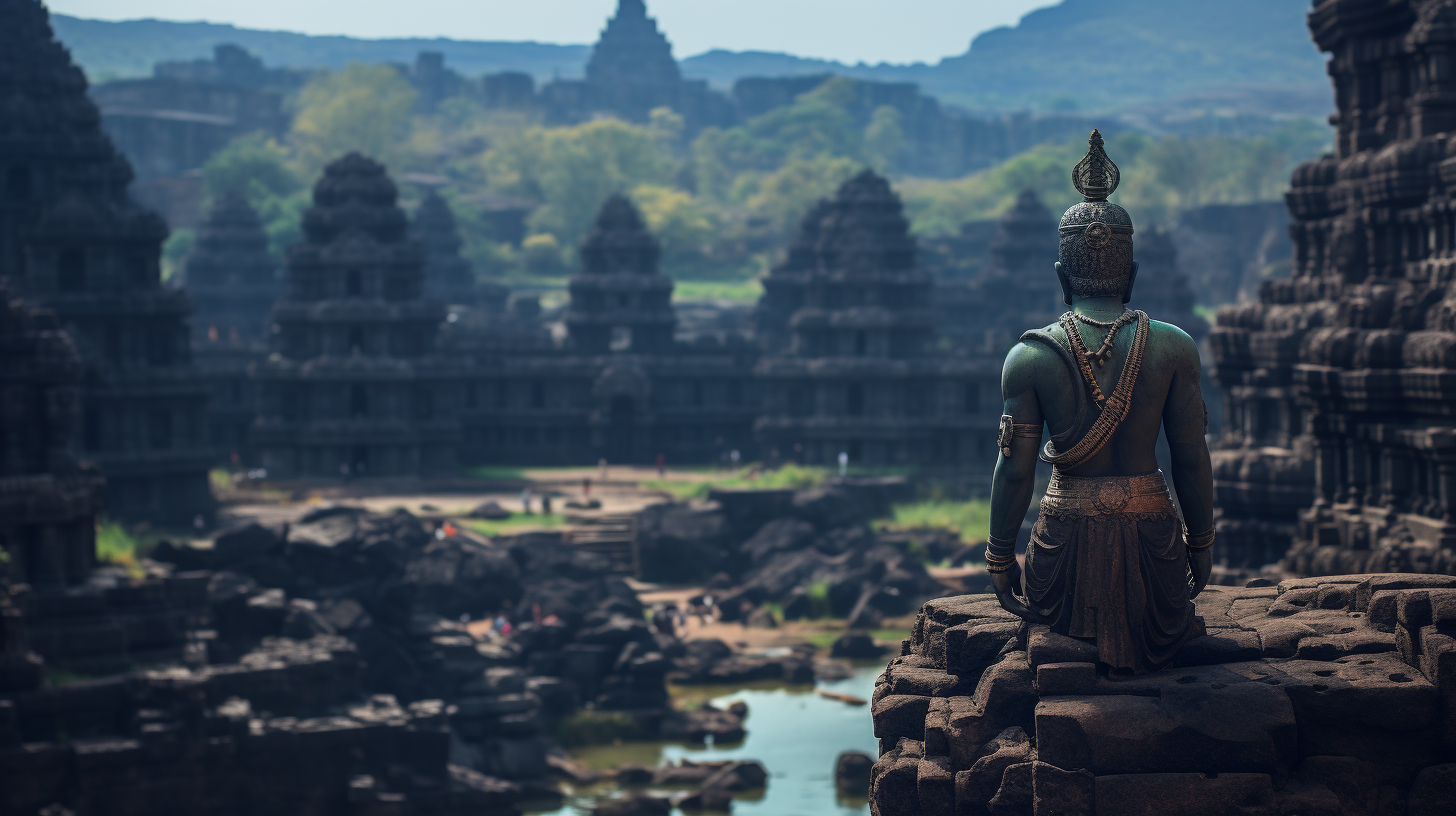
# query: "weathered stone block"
(1188, 729)
(1014, 796)
(1058, 792)
(1003, 698)
(972, 647)
(927, 683)
(1221, 646)
(1186, 794)
(900, 715)
(1045, 646)
(935, 786)
(893, 785)
(976, 787)
(1063, 679)
(1434, 792)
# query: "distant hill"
(1245, 55)
(115, 50)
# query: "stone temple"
(862, 375)
(448, 277)
(233, 280)
(621, 387)
(354, 384)
(1340, 437)
(72, 240)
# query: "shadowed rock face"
(1339, 424)
(1321, 690)
(72, 240)
(355, 385)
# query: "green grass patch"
(971, 519)
(585, 727)
(891, 635)
(494, 473)
(736, 291)
(115, 544)
(792, 477)
(221, 479)
(517, 521)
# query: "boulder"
(682, 543)
(856, 646)
(633, 804)
(778, 536)
(245, 542)
(490, 511)
(852, 773)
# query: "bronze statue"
(1108, 560)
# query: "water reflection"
(794, 732)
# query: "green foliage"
(684, 226)
(517, 521)
(1159, 176)
(261, 168)
(884, 139)
(115, 544)
(794, 477)
(586, 727)
(363, 107)
(747, 292)
(971, 519)
(572, 170)
(175, 251)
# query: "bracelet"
(998, 568)
(1201, 541)
(1000, 546)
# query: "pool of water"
(794, 732)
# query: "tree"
(363, 107)
(680, 222)
(258, 166)
(884, 139)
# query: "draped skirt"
(1107, 561)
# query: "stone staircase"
(610, 535)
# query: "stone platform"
(1314, 696)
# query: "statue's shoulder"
(1169, 345)
(1037, 350)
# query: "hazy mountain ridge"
(1085, 54)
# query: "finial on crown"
(1095, 176)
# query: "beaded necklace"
(1085, 358)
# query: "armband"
(1010, 430)
(1201, 541)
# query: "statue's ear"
(1066, 284)
(1131, 279)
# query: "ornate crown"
(1096, 235)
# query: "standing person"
(1107, 560)
(526, 501)
(661, 465)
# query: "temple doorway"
(620, 442)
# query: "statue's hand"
(1201, 562)
(1007, 584)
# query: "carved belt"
(1107, 495)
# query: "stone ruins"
(1339, 444)
(233, 280)
(621, 387)
(1319, 695)
(72, 240)
(861, 374)
(355, 385)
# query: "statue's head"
(1094, 258)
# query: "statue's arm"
(1185, 423)
(1015, 476)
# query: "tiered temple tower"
(48, 498)
(862, 375)
(448, 277)
(355, 385)
(620, 301)
(1018, 289)
(1341, 380)
(630, 73)
(71, 239)
(234, 281)
(620, 387)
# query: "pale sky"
(846, 30)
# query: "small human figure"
(546, 505)
(661, 465)
(536, 613)
(602, 469)
(586, 487)
(745, 608)
(526, 501)
(843, 462)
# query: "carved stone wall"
(1341, 380)
(861, 374)
(355, 385)
(233, 280)
(72, 240)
